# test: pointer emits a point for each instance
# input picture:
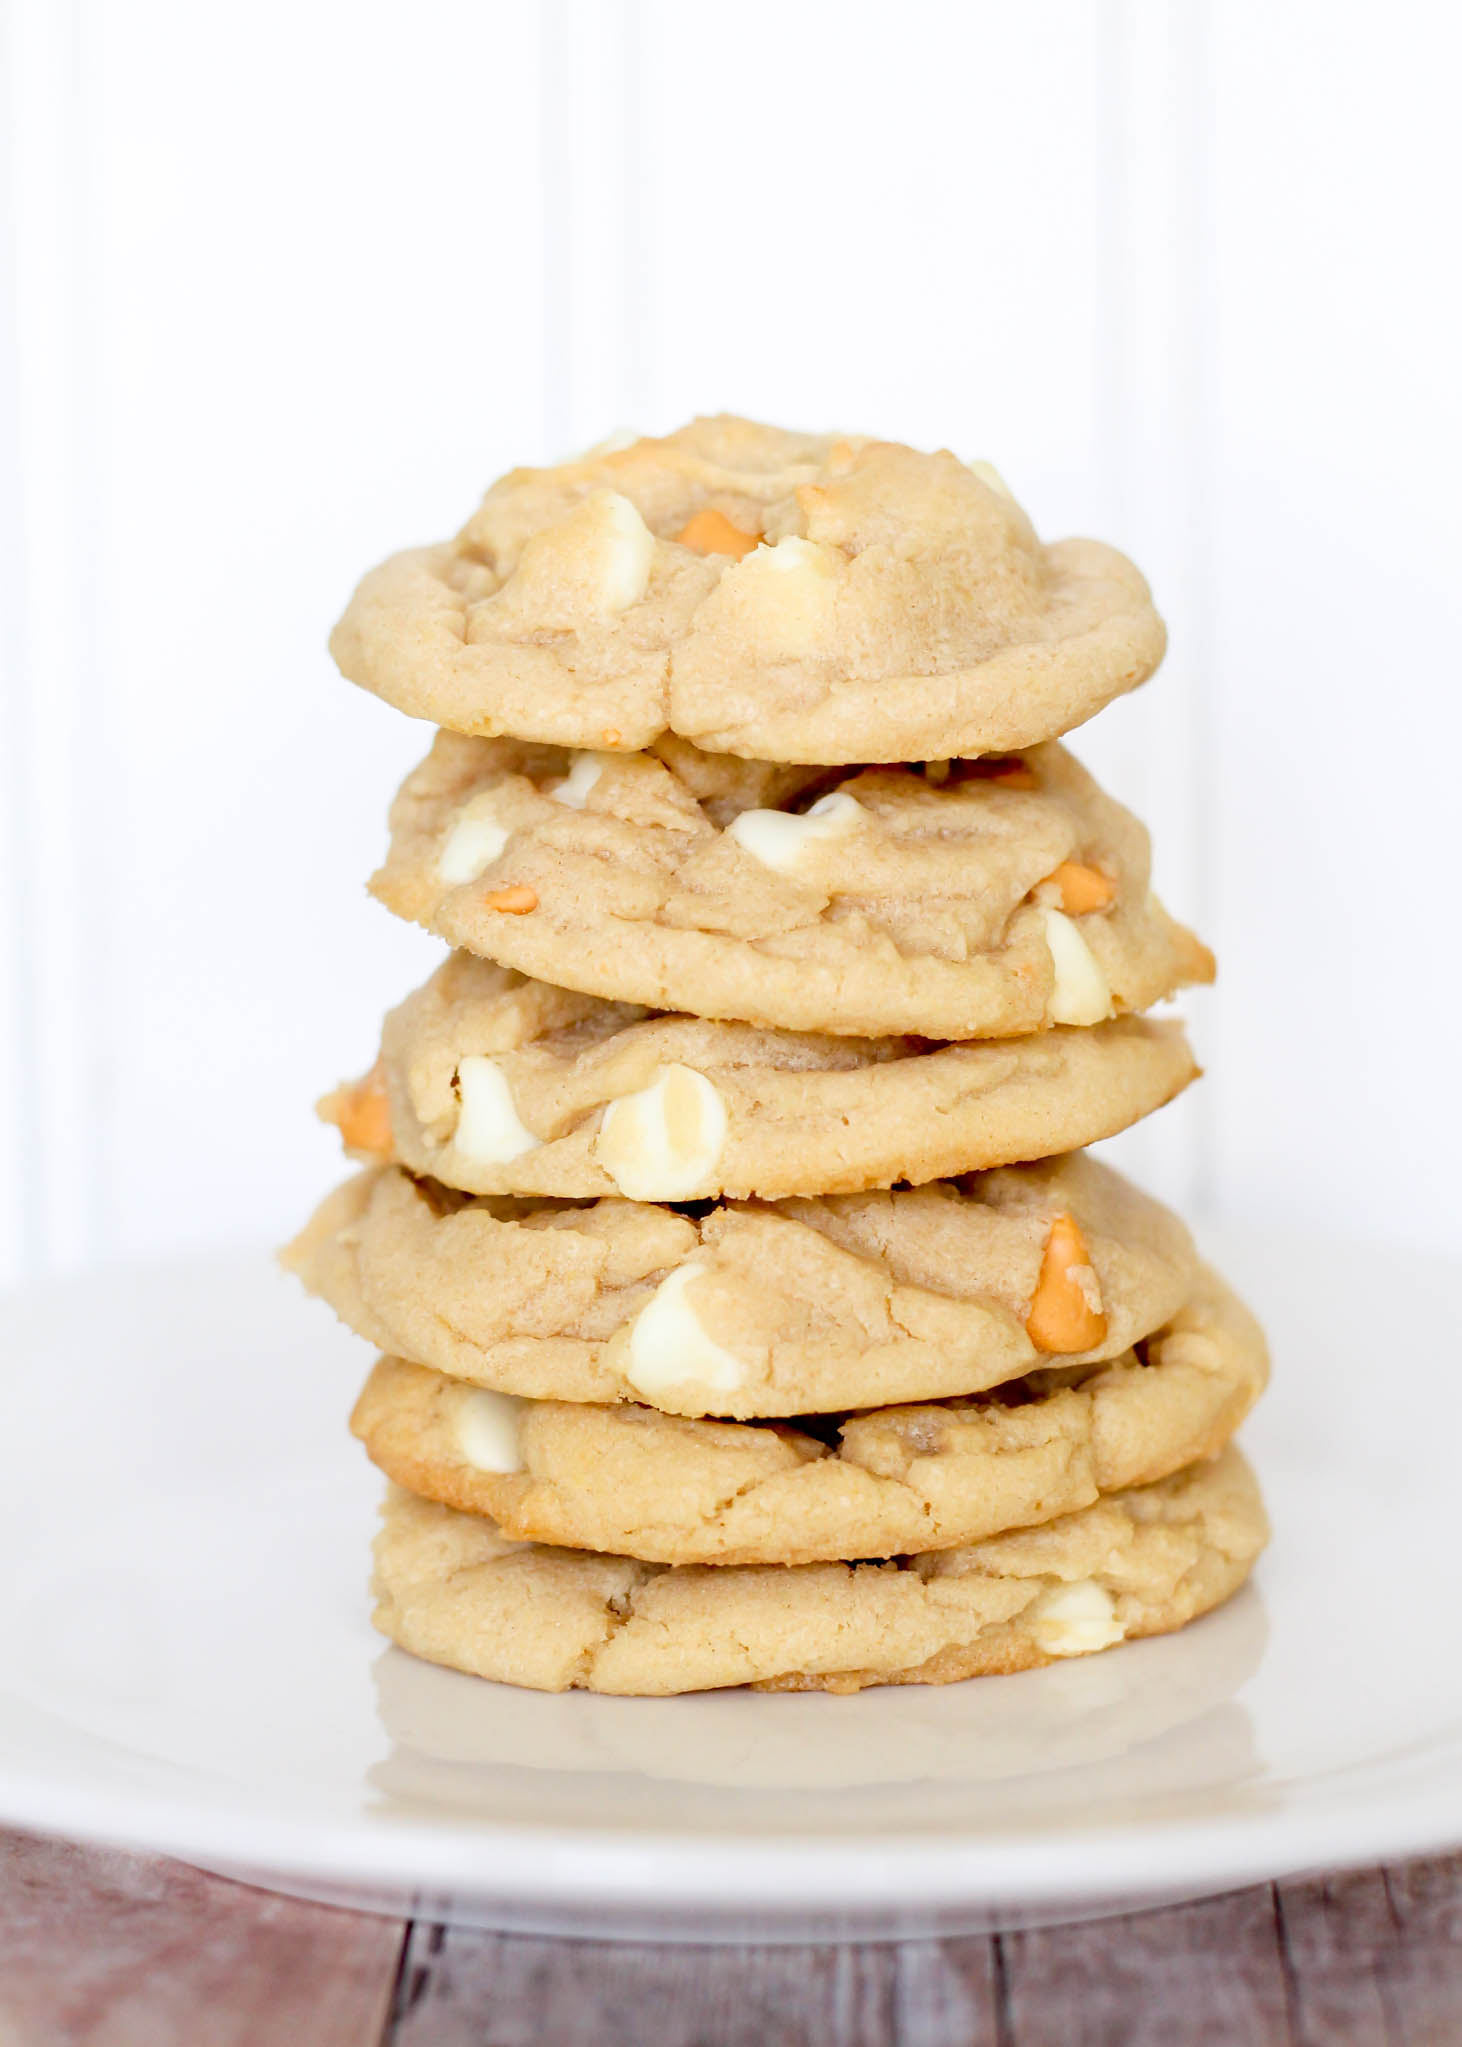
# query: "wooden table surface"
(103, 1949)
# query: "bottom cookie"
(451, 1589)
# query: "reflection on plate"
(1141, 1716)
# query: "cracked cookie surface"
(976, 899)
(498, 1084)
(889, 1482)
(789, 596)
(449, 1587)
(746, 1310)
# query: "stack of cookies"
(751, 1313)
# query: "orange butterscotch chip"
(611, 735)
(516, 901)
(1083, 889)
(711, 532)
(362, 1114)
(1063, 1318)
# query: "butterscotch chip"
(361, 1111)
(586, 1090)
(711, 532)
(869, 903)
(742, 1309)
(901, 608)
(1082, 890)
(515, 901)
(1066, 1312)
(452, 1588)
(666, 1489)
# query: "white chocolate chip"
(573, 790)
(779, 838)
(488, 1128)
(791, 586)
(474, 842)
(793, 556)
(1084, 1279)
(990, 475)
(487, 1430)
(1081, 994)
(663, 1142)
(1074, 1620)
(668, 1347)
(593, 564)
(625, 548)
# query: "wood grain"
(464, 1989)
(101, 1949)
(1211, 1972)
(946, 1991)
(1376, 1955)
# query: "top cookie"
(783, 596)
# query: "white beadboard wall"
(283, 288)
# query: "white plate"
(185, 1661)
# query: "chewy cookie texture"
(753, 1309)
(496, 1084)
(668, 1490)
(780, 596)
(982, 901)
(450, 1587)
(750, 1311)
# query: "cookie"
(972, 900)
(1106, 1713)
(497, 1084)
(790, 596)
(805, 1306)
(450, 1588)
(665, 1489)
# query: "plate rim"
(554, 1865)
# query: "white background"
(283, 287)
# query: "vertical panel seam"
(555, 185)
(58, 734)
(1195, 31)
(98, 763)
(26, 1247)
(1113, 254)
(635, 268)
